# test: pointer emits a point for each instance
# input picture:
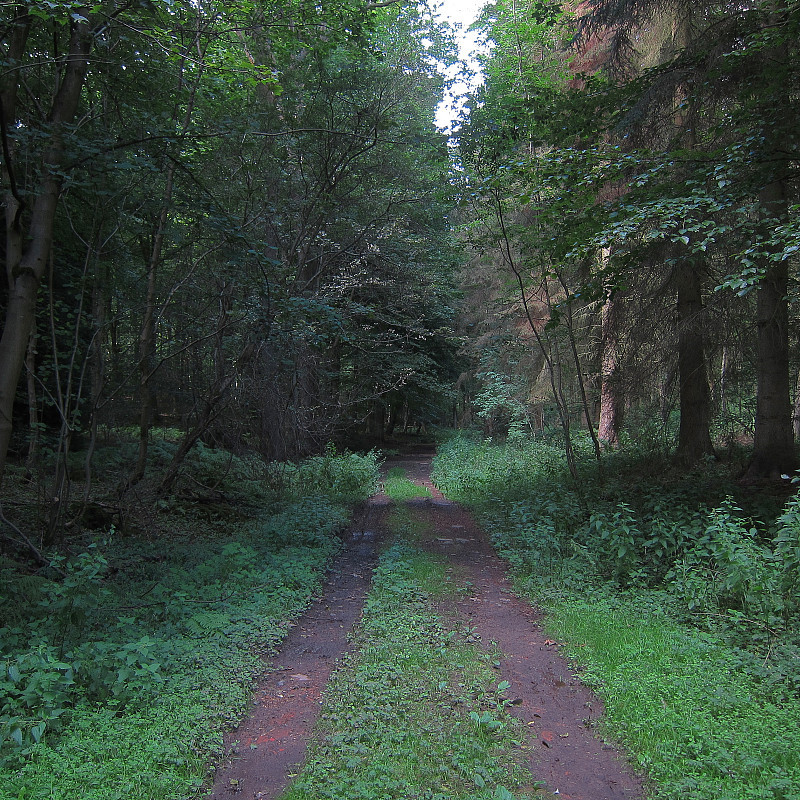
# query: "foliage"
(271, 189)
(619, 155)
(344, 478)
(157, 640)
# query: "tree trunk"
(97, 375)
(612, 396)
(694, 436)
(773, 444)
(27, 252)
(147, 361)
(723, 382)
(213, 403)
(394, 409)
(33, 411)
(579, 374)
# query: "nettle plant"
(731, 568)
(787, 550)
(344, 477)
(64, 654)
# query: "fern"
(206, 623)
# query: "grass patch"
(399, 487)
(412, 524)
(416, 711)
(700, 726)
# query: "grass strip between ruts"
(415, 711)
(397, 485)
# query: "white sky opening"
(463, 13)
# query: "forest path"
(559, 711)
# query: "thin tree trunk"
(212, 406)
(694, 436)
(579, 372)
(97, 375)
(612, 397)
(33, 411)
(392, 423)
(147, 366)
(723, 382)
(545, 346)
(147, 331)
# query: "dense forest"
(243, 262)
(631, 174)
(228, 219)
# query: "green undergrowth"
(397, 486)
(695, 721)
(415, 711)
(677, 593)
(122, 665)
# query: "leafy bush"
(37, 689)
(342, 477)
(727, 568)
(616, 539)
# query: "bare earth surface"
(559, 712)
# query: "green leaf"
(38, 730)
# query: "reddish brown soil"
(267, 747)
(560, 713)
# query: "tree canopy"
(228, 217)
(625, 157)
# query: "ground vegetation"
(128, 657)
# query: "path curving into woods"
(559, 711)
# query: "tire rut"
(267, 747)
(559, 712)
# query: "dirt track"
(559, 712)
